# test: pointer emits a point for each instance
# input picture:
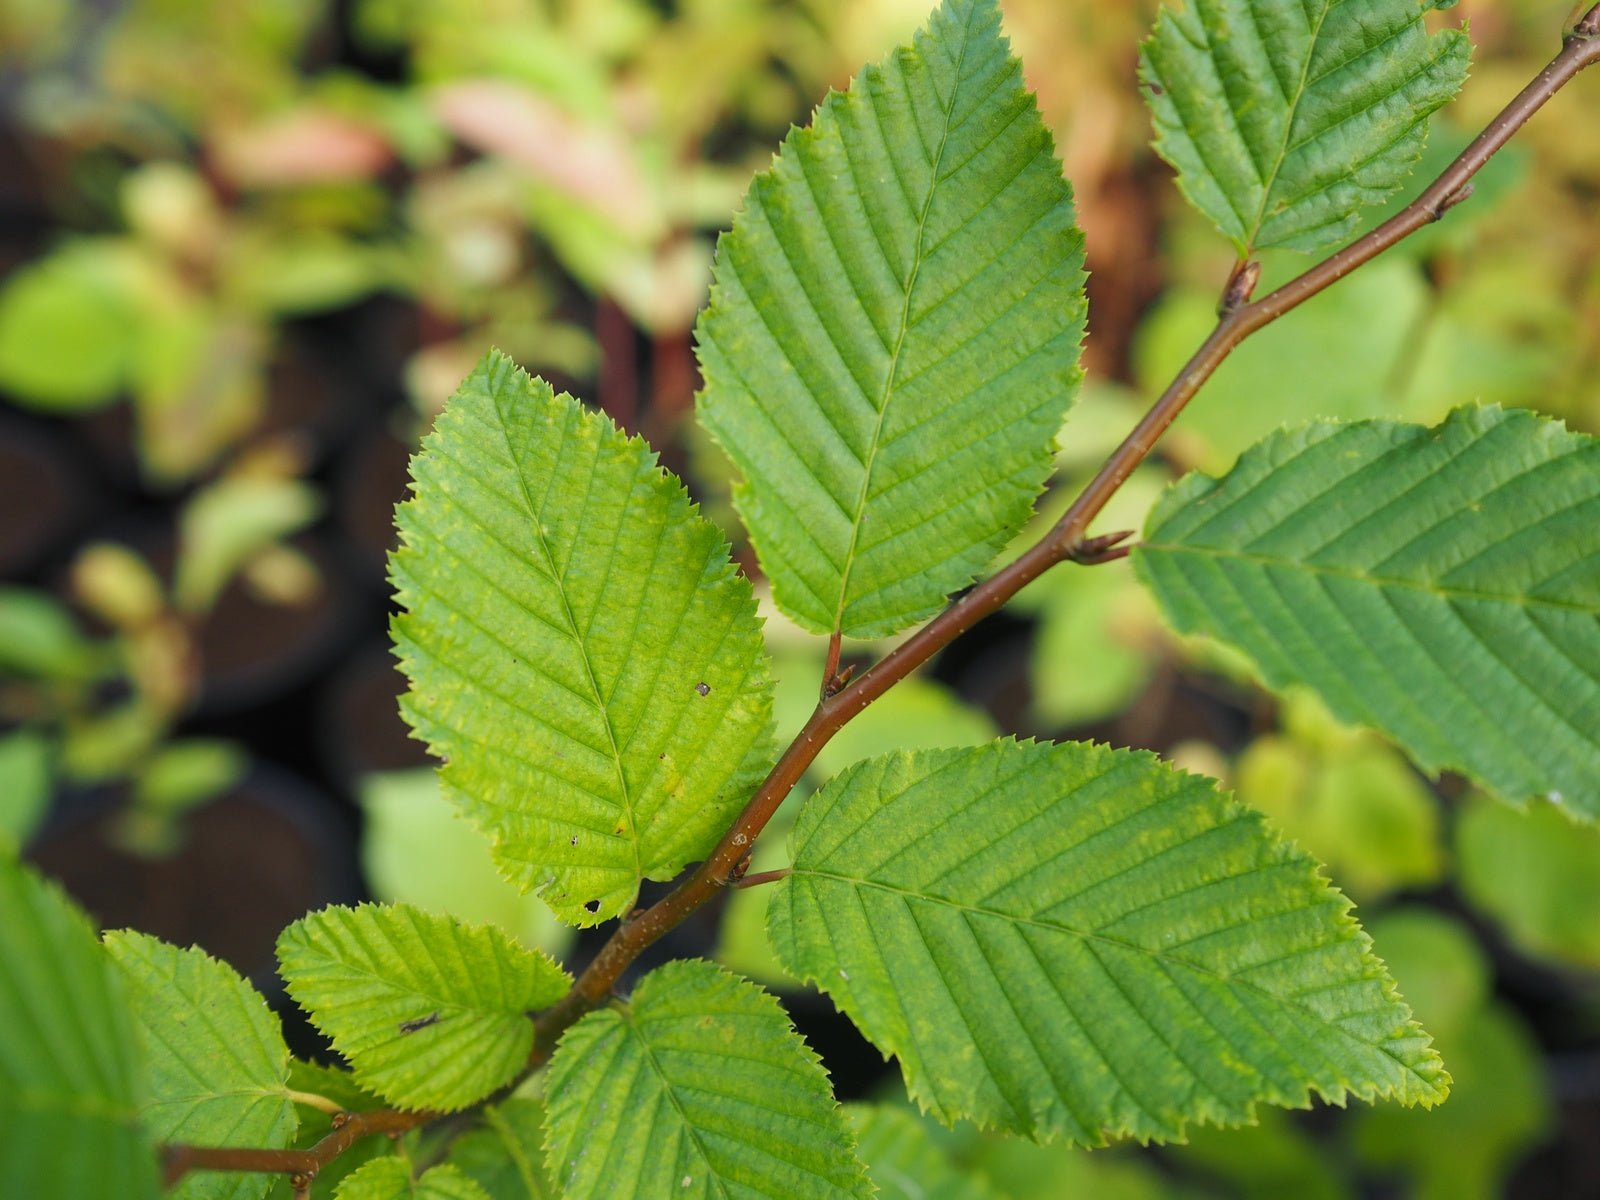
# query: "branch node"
(1241, 286)
(1587, 28)
(1461, 194)
(738, 872)
(1108, 547)
(837, 683)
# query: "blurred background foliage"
(249, 248)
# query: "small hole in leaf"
(703, 688)
(592, 906)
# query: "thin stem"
(830, 669)
(312, 1100)
(1065, 541)
(761, 877)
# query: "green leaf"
(1441, 585)
(1535, 873)
(229, 522)
(390, 1179)
(430, 1013)
(905, 1163)
(892, 339)
(1078, 942)
(25, 787)
(187, 772)
(1284, 119)
(216, 1070)
(697, 1087)
(70, 327)
(69, 1126)
(506, 1156)
(580, 649)
(39, 639)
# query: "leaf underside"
(893, 334)
(1441, 585)
(68, 1068)
(1283, 120)
(430, 1012)
(698, 1087)
(581, 652)
(216, 1067)
(1082, 943)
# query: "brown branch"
(178, 1160)
(1065, 541)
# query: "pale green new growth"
(1441, 585)
(905, 1163)
(391, 1179)
(893, 333)
(1078, 942)
(216, 1068)
(581, 652)
(699, 1088)
(68, 1065)
(1284, 119)
(431, 1013)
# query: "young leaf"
(893, 333)
(26, 767)
(904, 1162)
(581, 652)
(216, 1070)
(1074, 941)
(69, 1126)
(1533, 873)
(506, 1156)
(391, 1179)
(697, 1087)
(1441, 585)
(1284, 117)
(431, 1013)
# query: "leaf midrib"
(1288, 128)
(625, 1016)
(1443, 591)
(560, 583)
(904, 328)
